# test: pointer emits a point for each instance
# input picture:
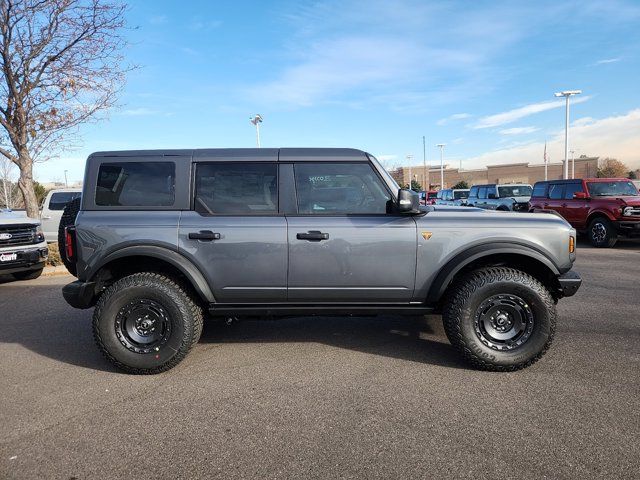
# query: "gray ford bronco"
(163, 237)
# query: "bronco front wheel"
(499, 318)
(146, 323)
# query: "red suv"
(602, 207)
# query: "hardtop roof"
(245, 154)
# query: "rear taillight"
(69, 240)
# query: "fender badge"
(426, 235)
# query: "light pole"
(566, 94)
(409, 160)
(425, 187)
(257, 120)
(441, 145)
(66, 183)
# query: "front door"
(343, 245)
(234, 234)
(575, 210)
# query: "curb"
(54, 271)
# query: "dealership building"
(585, 167)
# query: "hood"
(521, 199)
(10, 217)
(630, 200)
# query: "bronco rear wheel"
(146, 323)
(499, 318)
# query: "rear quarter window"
(59, 200)
(136, 184)
(539, 190)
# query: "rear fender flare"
(188, 269)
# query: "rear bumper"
(569, 283)
(79, 294)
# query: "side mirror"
(491, 196)
(408, 201)
(580, 195)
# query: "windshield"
(515, 191)
(461, 194)
(387, 176)
(612, 189)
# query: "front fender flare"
(461, 260)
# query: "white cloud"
(607, 60)
(511, 116)
(455, 116)
(518, 130)
(158, 20)
(136, 112)
(615, 136)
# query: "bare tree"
(6, 175)
(612, 168)
(61, 65)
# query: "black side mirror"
(408, 201)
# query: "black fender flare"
(461, 260)
(179, 261)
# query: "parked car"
(444, 197)
(23, 250)
(428, 198)
(52, 208)
(603, 208)
(163, 236)
(502, 197)
(460, 196)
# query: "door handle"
(46, 217)
(313, 235)
(206, 235)
(564, 205)
(546, 204)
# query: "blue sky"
(377, 75)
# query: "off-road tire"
(602, 233)
(184, 318)
(466, 297)
(69, 215)
(29, 275)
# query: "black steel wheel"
(503, 322)
(499, 318)
(146, 323)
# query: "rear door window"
(59, 200)
(556, 191)
(482, 192)
(473, 192)
(232, 188)
(136, 184)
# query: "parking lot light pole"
(441, 145)
(566, 94)
(66, 183)
(257, 120)
(573, 164)
(409, 160)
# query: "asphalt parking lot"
(326, 397)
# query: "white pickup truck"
(52, 208)
(23, 249)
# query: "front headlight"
(39, 236)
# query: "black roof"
(247, 154)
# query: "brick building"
(506, 173)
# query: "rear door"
(555, 200)
(574, 210)
(343, 245)
(235, 233)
